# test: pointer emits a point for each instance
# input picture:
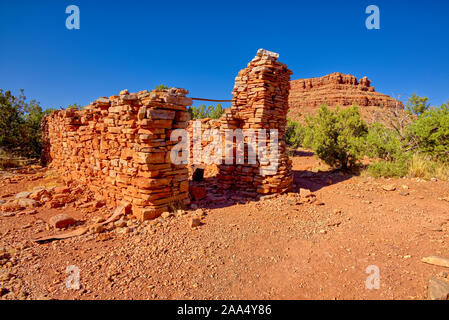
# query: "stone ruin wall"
(120, 146)
(260, 101)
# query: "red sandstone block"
(156, 114)
(197, 193)
(146, 183)
(150, 158)
(148, 213)
(158, 124)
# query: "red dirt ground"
(286, 247)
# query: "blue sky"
(201, 45)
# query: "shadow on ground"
(306, 179)
(315, 181)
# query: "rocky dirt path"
(295, 246)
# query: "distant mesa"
(307, 95)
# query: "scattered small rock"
(120, 223)
(5, 276)
(39, 194)
(24, 194)
(434, 227)
(124, 230)
(438, 289)
(200, 213)
(195, 222)
(166, 215)
(62, 221)
(61, 190)
(267, 197)
(27, 203)
(389, 187)
(11, 206)
(29, 212)
(9, 214)
(98, 219)
(305, 193)
(96, 228)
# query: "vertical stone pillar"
(260, 101)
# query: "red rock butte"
(307, 95)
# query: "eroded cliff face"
(307, 95)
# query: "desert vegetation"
(202, 112)
(20, 128)
(414, 143)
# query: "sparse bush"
(417, 105)
(202, 112)
(420, 149)
(75, 106)
(382, 142)
(294, 134)
(388, 169)
(429, 133)
(12, 110)
(416, 145)
(20, 124)
(161, 87)
(337, 137)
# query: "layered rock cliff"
(307, 95)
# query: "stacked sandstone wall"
(260, 101)
(119, 147)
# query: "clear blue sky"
(201, 45)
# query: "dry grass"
(9, 160)
(7, 163)
(420, 167)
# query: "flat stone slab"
(262, 52)
(437, 261)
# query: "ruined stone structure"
(307, 95)
(120, 146)
(260, 101)
(201, 127)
